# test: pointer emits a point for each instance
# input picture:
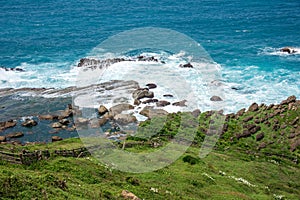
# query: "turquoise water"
(47, 38)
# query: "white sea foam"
(50, 75)
(239, 86)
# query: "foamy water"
(238, 86)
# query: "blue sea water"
(46, 38)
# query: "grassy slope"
(236, 169)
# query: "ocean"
(47, 39)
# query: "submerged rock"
(15, 135)
(48, 117)
(7, 124)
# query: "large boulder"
(142, 93)
(290, 99)
(216, 98)
(29, 123)
(125, 119)
(118, 109)
(196, 113)
(102, 110)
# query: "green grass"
(208, 178)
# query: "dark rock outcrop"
(290, 99)
(289, 50)
(13, 69)
(180, 103)
(150, 101)
(260, 136)
(168, 95)
(151, 85)
(162, 103)
(149, 59)
(240, 112)
(254, 107)
(187, 65)
(248, 119)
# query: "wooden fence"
(10, 157)
(27, 157)
(80, 152)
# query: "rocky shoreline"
(120, 104)
(118, 115)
